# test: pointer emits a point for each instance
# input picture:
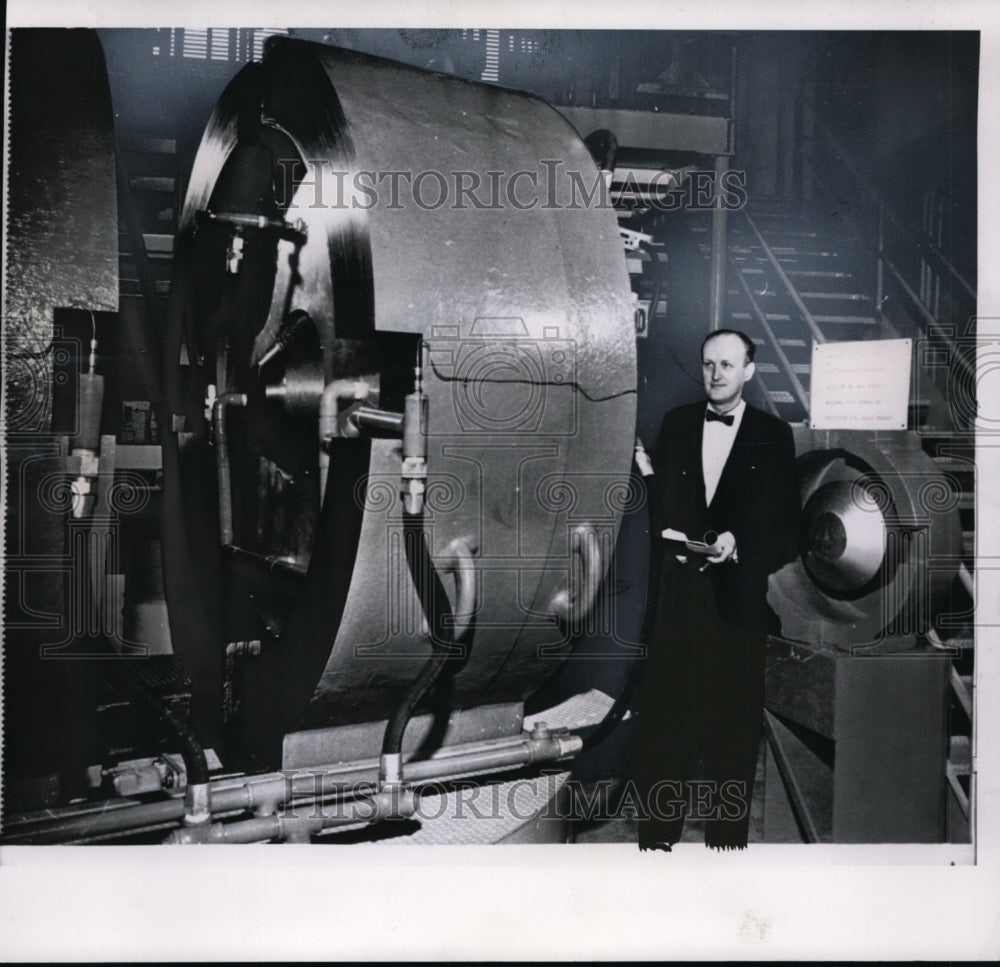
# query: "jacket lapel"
(698, 434)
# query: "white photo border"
(545, 902)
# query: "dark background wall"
(903, 104)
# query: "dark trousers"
(701, 697)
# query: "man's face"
(724, 369)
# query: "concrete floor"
(624, 828)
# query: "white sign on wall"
(861, 385)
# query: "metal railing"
(934, 261)
(925, 298)
(800, 391)
(919, 239)
(786, 282)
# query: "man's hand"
(726, 545)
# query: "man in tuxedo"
(725, 477)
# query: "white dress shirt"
(716, 444)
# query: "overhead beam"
(655, 130)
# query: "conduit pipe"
(267, 792)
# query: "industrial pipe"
(571, 606)
(265, 793)
(374, 808)
(86, 443)
(373, 420)
(246, 560)
(329, 409)
(414, 472)
(296, 227)
(460, 561)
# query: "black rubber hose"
(195, 761)
(606, 726)
(437, 610)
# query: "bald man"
(725, 479)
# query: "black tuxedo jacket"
(757, 499)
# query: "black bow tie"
(712, 417)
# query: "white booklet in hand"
(696, 547)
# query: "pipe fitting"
(330, 424)
(414, 470)
(390, 769)
(268, 804)
(545, 745)
(335, 392)
(266, 796)
(393, 801)
(197, 804)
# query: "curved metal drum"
(520, 294)
(876, 513)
